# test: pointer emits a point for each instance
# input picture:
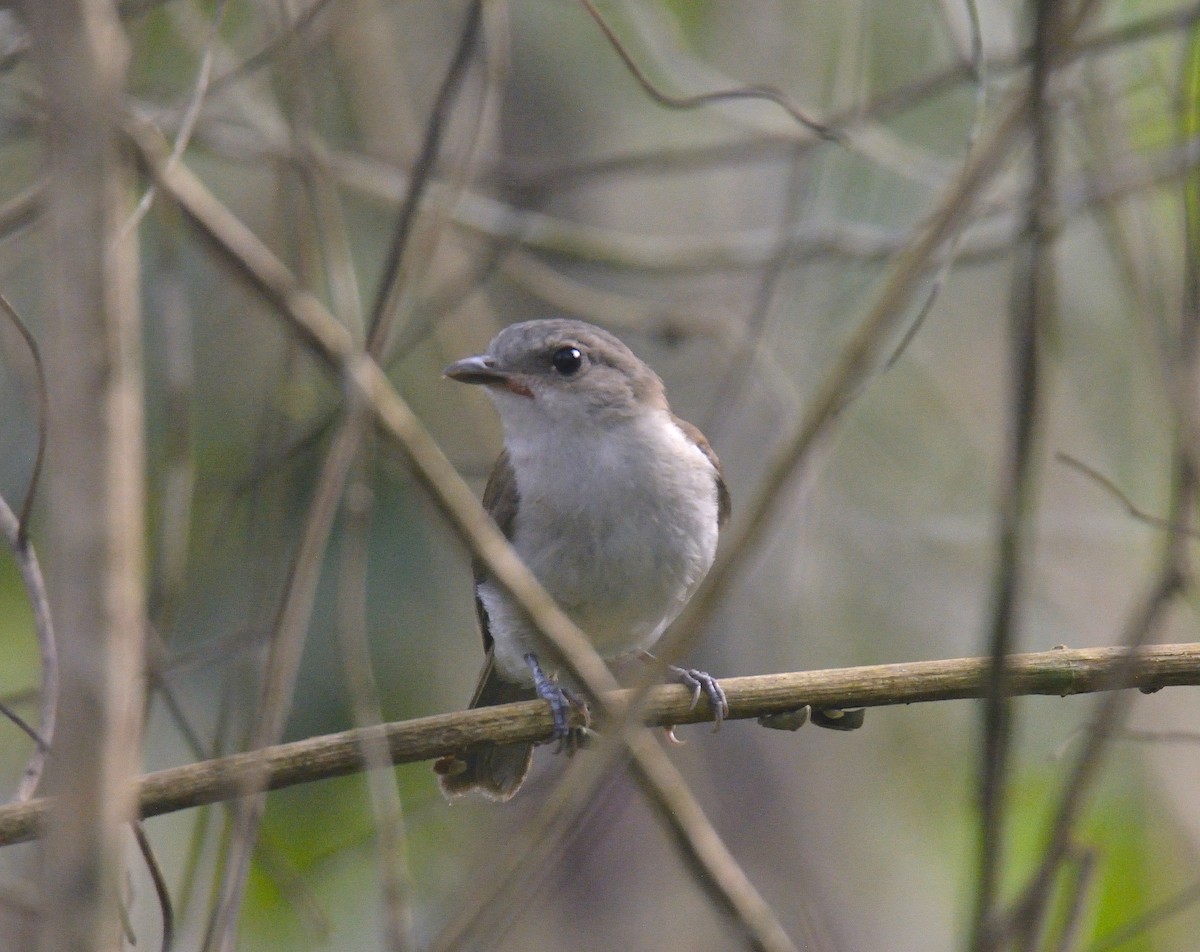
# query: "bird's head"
(561, 371)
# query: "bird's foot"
(833, 718)
(560, 700)
(701, 682)
(839, 719)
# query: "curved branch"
(1060, 672)
(35, 588)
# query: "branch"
(1059, 672)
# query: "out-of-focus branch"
(1059, 672)
(95, 469)
(1030, 312)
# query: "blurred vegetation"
(737, 252)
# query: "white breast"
(618, 521)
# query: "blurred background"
(738, 249)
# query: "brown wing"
(724, 503)
(500, 501)
(496, 772)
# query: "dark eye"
(567, 360)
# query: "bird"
(612, 501)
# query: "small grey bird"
(612, 501)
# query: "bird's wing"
(500, 501)
(724, 503)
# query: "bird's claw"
(839, 718)
(561, 700)
(833, 718)
(786, 720)
(701, 682)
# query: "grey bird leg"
(699, 682)
(703, 682)
(559, 699)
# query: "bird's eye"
(567, 360)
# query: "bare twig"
(1061, 672)
(16, 533)
(43, 402)
(1079, 890)
(1126, 503)
(382, 314)
(1030, 305)
(283, 664)
(39, 604)
(161, 892)
(1029, 910)
(979, 74)
(390, 837)
(191, 113)
(766, 93)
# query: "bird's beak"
(480, 369)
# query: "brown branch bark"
(1060, 672)
(94, 487)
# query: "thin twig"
(24, 727)
(43, 402)
(39, 605)
(978, 71)
(161, 890)
(21, 210)
(191, 114)
(1061, 672)
(767, 93)
(282, 667)
(382, 314)
(1080, 890)
(16, 533)
(390, 836)
(1029, 910)
(1126, 503)
(890, 102)
(1030, 309)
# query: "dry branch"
(91, 332)
(1058, 672)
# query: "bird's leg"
(700, 682)
(560, 700)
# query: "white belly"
(620, 537)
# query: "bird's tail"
(497, 772)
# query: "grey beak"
(479, 369)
